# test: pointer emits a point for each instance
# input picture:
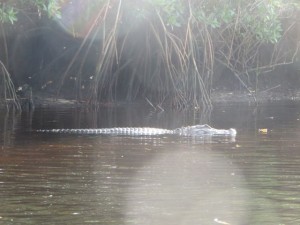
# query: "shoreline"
(218, 97)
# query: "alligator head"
(204, 130)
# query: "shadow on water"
(83, 179)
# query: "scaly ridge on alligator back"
(129, 131)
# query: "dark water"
(77, 179)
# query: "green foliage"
(8, 11)
(264, 21)
(7, 14)
(262, 18)
(213, 15)
(50, 7)
(170, 10)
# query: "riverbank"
(217, 97)
(261, 97)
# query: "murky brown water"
(77, 179)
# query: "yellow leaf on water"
(263, 130)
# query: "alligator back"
(128, 131)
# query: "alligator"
(194, 131)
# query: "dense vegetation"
(167, 51)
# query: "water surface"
(89, 179)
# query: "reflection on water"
(77, 179)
